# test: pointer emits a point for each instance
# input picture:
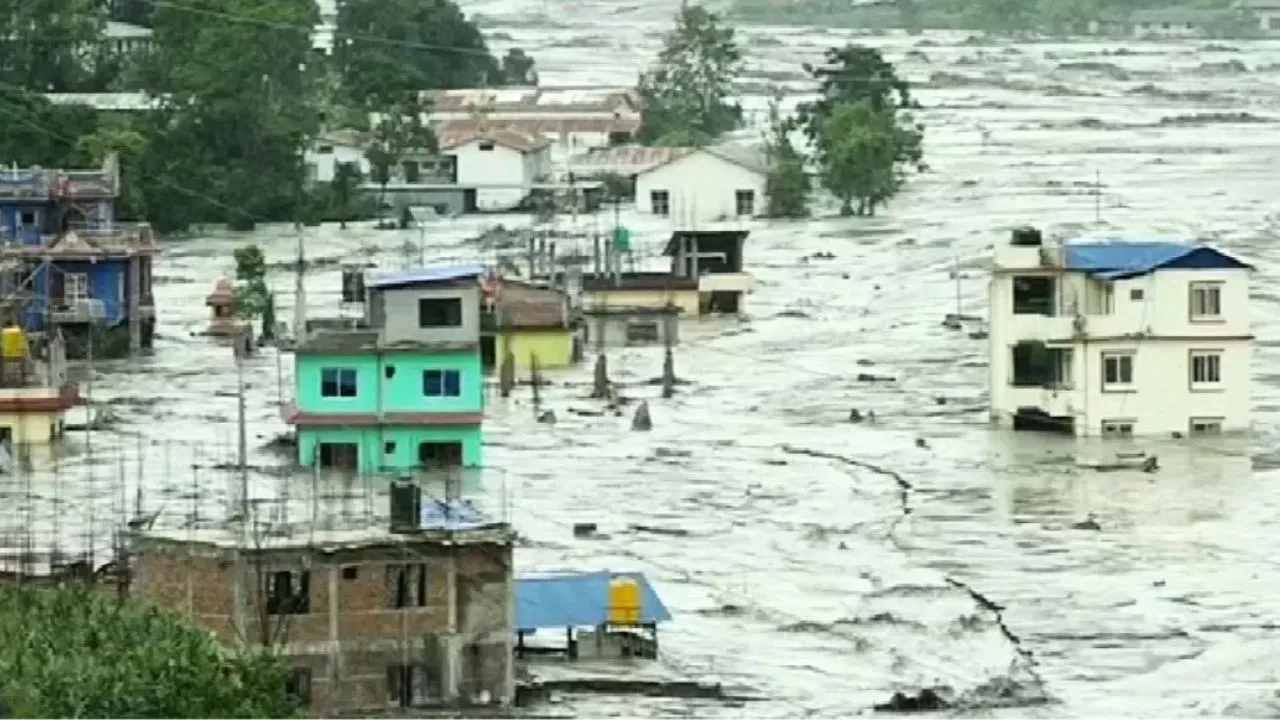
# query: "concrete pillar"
(509, 678)
(135, 319)
(452, 650)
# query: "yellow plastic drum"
(13, 343)
(624, 602)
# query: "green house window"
(442, 383)
(338, 382)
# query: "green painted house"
(405, 391)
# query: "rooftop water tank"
(624, 601)
(13, 344)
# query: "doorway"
(439, 455)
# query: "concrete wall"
(397, 314)
(554, 347)
(702, 189)
(613, 328)
(353, 632)
(510, 172)
(686, 300)
(1148, 316)
(403, 392)
(34, 428)
(372, 444)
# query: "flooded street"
(818, 564)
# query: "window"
(661, 202)
(486, 147)
(1206, 368)
(1206, 426)
(1032, 295)
(440, 312)
(642, 332)
(1136, 294)
(338, 382)
(1117, 428)
(289, 593)
(406, 586)
(350, 572)
(342, 456)
(412, 171)
(746, 200)
(1273, 23)
(434, 455)
(1035, 365)
(407, 685)
(75, 287)
(1206, 302)
(389, 371)
(442, 383)
(28, 218)
(298, 685)
(1117, 371)
(325, 150)
(389, 448)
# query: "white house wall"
(702, 189)
(502, 176)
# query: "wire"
(309, 29)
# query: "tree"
(49, 45)
(397, 132)
(858, 84)
(37, 132)
(858, 157)
(787, 185)
(74, 652)
(252, 296)
(517, 68)
(238, 102)
(687, 91)
(384, 49)
(345, 179)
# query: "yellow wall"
(686, 300)
(30, 427)
(554, 348)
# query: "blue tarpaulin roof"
(1117, 260)
(576, 600)
(424, 276)
(452, 515)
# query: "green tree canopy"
(50, 45)
(688, 90)
(385, 49)
(787, 185)
(517, 68)
(239, 103)
(77, 653)
(37, 132)
(858, 157)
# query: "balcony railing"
(79, 312)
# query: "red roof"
(294, 416)
(517, 141)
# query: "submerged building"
(1119, 338)
(35, 393)
(532, 323)
(403, 390)
(68, 264)
(367, 622)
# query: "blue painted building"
(76, 267)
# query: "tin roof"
(1114, 260)
(578, 599)
(423, 276)
(518, 141)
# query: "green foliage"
(376, 72)
(252, 296)
(36, 132)
(858, 158)
(862, 117)
(399, 131)
(239, 101)
(686, 94)
(59, 55)
(517, 68)
(269, 317)
(76, 653)
(787, 185)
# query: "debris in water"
(940, 400)
(587, 413)
(868, 377)
(673, 532)
(642, 421)
(924, 701)
(855, 416)
(548, 417)
(584, 529)
(920, 443)
(1088, 523)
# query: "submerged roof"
(576, 600)
(424, 276)
(1117, 260)
(747, 157)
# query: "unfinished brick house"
(370, 621)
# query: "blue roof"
(1118, 260)
(424, 276)
(577, 600)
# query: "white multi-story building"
(1119, 338)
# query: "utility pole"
(300, 296)
(240, 351)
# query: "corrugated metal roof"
(576, 600)
(424, 276)
(1117, 260)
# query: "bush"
(76, 653)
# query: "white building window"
(746, 202)
(75, 287)
(1117, 372)
(1117, 428)
(661, 202)
(1206, 302)
(1206, 369)
(1206, 426)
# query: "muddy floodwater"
(815, 564)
